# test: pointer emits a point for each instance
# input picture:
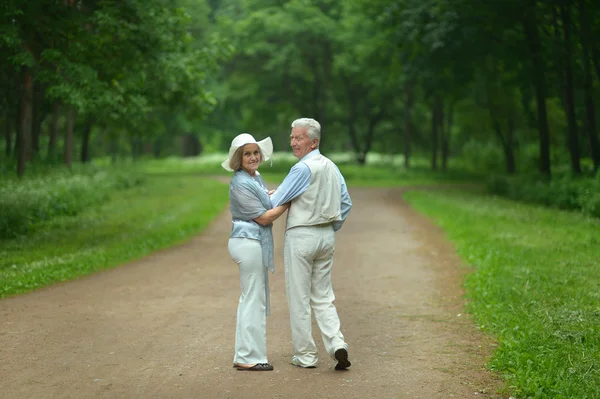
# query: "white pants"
(308, 258)
(251, 328)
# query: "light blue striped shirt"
(298, 180)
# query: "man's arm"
(294, 184)
(346, 204)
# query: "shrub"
(566, 192)
(498, 184)
(25, 203)
(485, 157)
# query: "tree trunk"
(526, 97)
(539, 81)
(440, 123)
(506, 141)
(572, 134)
(69, 137)
(85, 141)
(133, 143)
(157, 145)
(446, 137)
(586, 34)
(373, 122)
(361, 158)
(36, 122)
(351, 121)
(113, 149)
(316, 92)
(17, 120)
(190, 145)
(435, 117)
(69, 142)
(588, 89)
(408, 123)
(320, 70)
(327, 61)
(53, 132)
(509, 148)
(7, 136)
(24, 135)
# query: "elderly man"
(320, 204)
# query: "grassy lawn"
(163, 211)
(535, 286)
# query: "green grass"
(132, 223)
(27, 202)
(535, 286)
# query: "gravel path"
(163, 326)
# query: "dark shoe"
(256, 367)
(341, 355)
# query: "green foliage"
(138, 69)
(581, 194)
(482, 156)
(535, 287)
(25, 204)
(163, 211)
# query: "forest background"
(101, 98)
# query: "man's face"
(300, 142)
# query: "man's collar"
(311, 154)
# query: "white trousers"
(251, 328)
(308, 258)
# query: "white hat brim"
(265, 145)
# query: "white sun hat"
(266, 148)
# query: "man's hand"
(271, 192)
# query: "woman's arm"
(269, 216)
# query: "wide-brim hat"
(266, 148)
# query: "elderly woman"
(251, 247)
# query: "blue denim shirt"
(249, 199)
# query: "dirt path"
(163, 327)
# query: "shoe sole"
(254, 368)
(304, 367)
(341, 355)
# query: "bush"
(482, 157)
(566, 192)
(25, 203)
(589, 198)
(499, 185)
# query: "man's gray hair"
(313, 127)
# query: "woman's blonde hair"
(235, 162)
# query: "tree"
(120, 63)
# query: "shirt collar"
(243, 172)
(311, 154)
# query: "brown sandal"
(256, 367)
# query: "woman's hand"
(269, 216)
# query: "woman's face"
(251, 158)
